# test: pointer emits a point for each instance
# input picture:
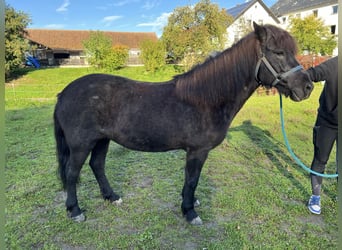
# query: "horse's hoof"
(79, 218)
(117, 202)
(196, 221)
(197, 203)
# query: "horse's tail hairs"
(62, 150)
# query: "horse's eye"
(279, 52)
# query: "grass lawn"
(253, 195)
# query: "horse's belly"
(145, 144)
(149, 140)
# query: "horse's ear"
(260, 32)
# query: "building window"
(284, 20)
(335, 9)
(249, 23)
(61, 55)
(315, 13)
(333, 29)
(236, 38)
(298, 15)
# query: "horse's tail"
(62, 150)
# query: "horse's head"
(277, 66)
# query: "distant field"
(253, 195)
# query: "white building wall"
(326, 13)
(256, 13)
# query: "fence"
(311, 60)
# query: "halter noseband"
(278, 76)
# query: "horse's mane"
(221, 77)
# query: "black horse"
(191, 112)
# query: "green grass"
(252, 193)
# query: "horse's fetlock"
(191, 215)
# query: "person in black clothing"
(325, 129)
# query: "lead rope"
(290, 150)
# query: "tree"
(15, 43)
(101, 53)
(312, 35)
(97, 47)
(152, 55)
(193, 32)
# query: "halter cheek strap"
(278, 77)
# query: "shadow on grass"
(18, 73)
(273, 150)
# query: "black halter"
(278, 76)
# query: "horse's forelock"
(283, 39)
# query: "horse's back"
(84, 94)
(93, 84)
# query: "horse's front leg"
(194, 164)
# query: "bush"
(102, 54)
(152, 55)
(116, 58)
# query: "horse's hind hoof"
(79, 218)
(197, 203)
(196, 221)
(117, 202)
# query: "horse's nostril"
(309, 86)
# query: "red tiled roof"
(72, 39)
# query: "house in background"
(326, 10)
(64, 47)
(244, 15)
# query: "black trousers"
(324, 138)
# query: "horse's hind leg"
(194, 164)
(74, 166)
(97, 164)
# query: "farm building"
(64, 47)
(244, 15)
(326, 10)
(279, 14)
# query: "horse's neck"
(236, 104)
(224, 79)
(245, 55)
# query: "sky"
(119, 15)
